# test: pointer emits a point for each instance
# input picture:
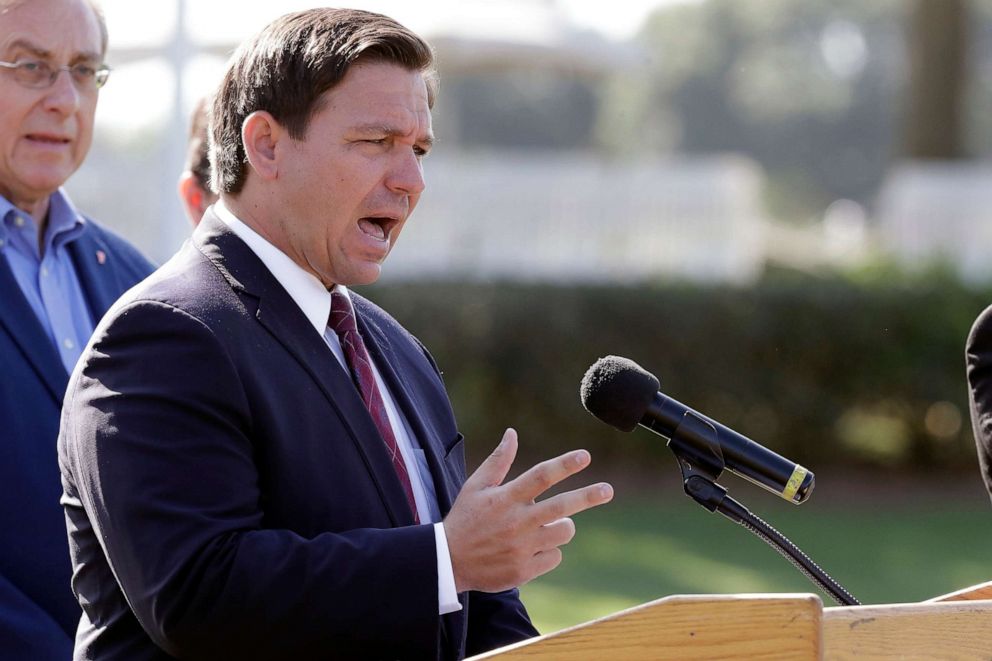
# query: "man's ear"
(192, 196)
(259, 134)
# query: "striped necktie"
(342, 321)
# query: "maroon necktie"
(342, 321)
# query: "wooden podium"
(774, 626)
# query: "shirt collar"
(303, 287)
(64, 222)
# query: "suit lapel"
(23, 326)
(283, 319)
(92, 260)
(384, 357)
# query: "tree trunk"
(937, 45)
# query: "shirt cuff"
(447, 595)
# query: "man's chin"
(365, 274)
(46, 181)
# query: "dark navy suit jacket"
(978, 358)
(38, 613)
(227, 492)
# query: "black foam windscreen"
(618, 391)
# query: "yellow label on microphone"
(796, 481)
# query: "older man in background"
(59, 272)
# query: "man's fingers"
(571, 502)
(555, 534)
(502, 535)
(545, 561)
(493, 470)
(538, 479)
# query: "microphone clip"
(700, 457)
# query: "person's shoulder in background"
(978, 359)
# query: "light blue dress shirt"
(46, 274)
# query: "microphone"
(622, 394)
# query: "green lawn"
(635, 550)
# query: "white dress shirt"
(315, 301)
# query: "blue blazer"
(38, 613)
(228, 493)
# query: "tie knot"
(342, 319)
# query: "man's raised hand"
(499, 535)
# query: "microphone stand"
(701, 462)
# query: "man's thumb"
(493, 470)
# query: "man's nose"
(63, 95)
(407, 176)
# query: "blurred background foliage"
(860, 369)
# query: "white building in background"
(929, 211)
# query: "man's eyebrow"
(34, 49)
(45, 54)
(386, 129)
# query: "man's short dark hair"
(288, 66)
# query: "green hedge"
(824, 371)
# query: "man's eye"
(31, 65)
(83, 71)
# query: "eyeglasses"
(38, 74)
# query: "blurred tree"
(810, 88)
(938, 46)
(977, 120)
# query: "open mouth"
(378, 227)
(48, 139)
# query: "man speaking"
(258, 462)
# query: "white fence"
(937, 210)
(557, 216)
